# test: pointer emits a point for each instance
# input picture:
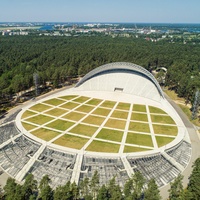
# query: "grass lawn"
(54, 102)
(81, 99)
(45, 134)
(40, 107)
(61, 125)
(99, 146)
(161, 141)
(165, 130)
(108, 104)
(91, 119)
(140, 127)
(75, 116)
(139, 108)
(40, 119)
(71, 141)
(101, 111)
(187, 111)
(119, 114)
(162, 119)
(82, 129)
(129, 149)
(70, 105)
(28, 127)
(139, 117)
(28, 113)
(108, 134)
(94, 102)
(85, 109)
(123, 106)
(115, 123)
(139, 139)
(69, 97)
(56, 112)
(153, 109)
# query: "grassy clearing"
(45, 134)
(71, 141)
(139, 139)
(70, 105)
(40, 119)
(40, 107)
(140, 127)
(56, 112)
(161, 141)
(108, 134)
(99, 146)
(28, 113)
(165, 130)
(153, 109)
(187, 111)
(94, 102)
(81, 99)
(173, 95)
(59, 124)
(82, 129)
(123, 106)
(54, 102)
(139, 108)
(115, 123)
(139, 117)
(162, 119)
(69, 97)
(119, 114)
(91, 119)
(28, 127)
(75, 116)
(85, 109)
(108, 104)
(129, 149)
(101, 111)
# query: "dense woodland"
(136, 188)
(56, 58)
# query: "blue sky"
(166, 11)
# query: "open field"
(45, 134)
(71, 141)
(28, 113)
(140, 127)
(139, 108)
(108, 134)
(59, 124)
(82, 129)
(129, 149)
(56, 112)
(139, 117)
(40, 107)
(112, 131)
(153, 109)
(165, 130)
(115, 123)
(40, 119)
(91, 119)
(162, 119)
(161, 141)
(139, 139)
(75, 116)
(99, 146)
(54, 102)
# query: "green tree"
(94, 184)
(152, 192)
(176, 188)
(114, 191)
(46, 192)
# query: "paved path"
(195, 142)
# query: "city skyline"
(127, 11)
